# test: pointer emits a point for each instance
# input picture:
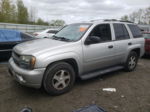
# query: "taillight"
(147, 41)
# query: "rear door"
(137, 41)
(122, 42)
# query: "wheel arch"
(137, 50)
(70, 61)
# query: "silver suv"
(83, 50)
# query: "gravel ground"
(132, 93)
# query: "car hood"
(39, 46)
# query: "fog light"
(20, 78)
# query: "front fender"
(43, 63)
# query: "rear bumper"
(31, 78)
(147, 49)
(147, 53)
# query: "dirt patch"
(132, 93)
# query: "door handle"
(129, 43)
(110, 47)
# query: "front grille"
(16, 57)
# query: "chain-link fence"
(35, 28)
(26, 27)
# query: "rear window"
(135, 31)
(9, 36)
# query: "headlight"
(27, 61)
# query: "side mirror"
(92, 40)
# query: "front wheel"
(59, 78)
(131, 62)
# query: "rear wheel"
(59, 78)
(131, 62)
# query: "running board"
(100, 72)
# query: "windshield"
(146, 35)
(72, 32)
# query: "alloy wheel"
(61, 79)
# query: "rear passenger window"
(121, 31)
(136, 32)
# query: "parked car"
(147, 42)
(46, 33)
(8, 39)
(83, 50)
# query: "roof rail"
(111, 20)
(96, 20)
(126, 21)
(118, 20)
(103, 20)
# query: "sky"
(72, 11)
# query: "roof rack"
(97, 20)
(118, 20)
(126, 21)
(111, 20)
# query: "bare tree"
(33, 14)
(147, 15)
(142, 16)
(125, 18)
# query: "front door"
(101, 54)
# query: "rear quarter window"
(136, 32)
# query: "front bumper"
(31, 78)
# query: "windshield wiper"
(65, 39)
(55, 37)
(61, 38)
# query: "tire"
(131, 62)
(59, 78)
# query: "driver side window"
(103, 32)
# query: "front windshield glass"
(72, 32)
(146, 35)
